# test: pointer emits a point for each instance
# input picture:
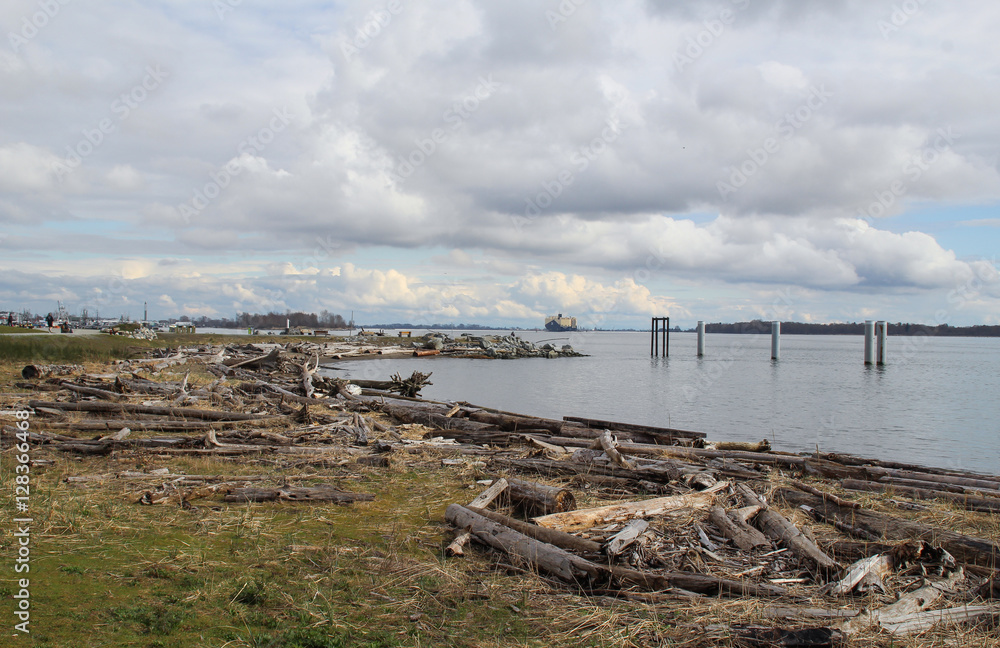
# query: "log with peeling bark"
(539, 499)
(968, 502)
(742, 534)
(965, 548)
(622, 512)
(880, 566)
(779, 528)
(562, 539)
(548, 557)
(31, 372)
(296, 494)
(119, 408)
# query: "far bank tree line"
(325, 320)
(853, 328)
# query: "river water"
(936, 401)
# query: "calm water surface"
(936, 402)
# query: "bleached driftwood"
(601, 515)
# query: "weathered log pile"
(500, 347)
(590, 505)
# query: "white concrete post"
(775, 340)
(883, 334)
(701, 339)
(869, 342)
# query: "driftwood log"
(552, 536)
(31, 372)
(968, 549)
(539, 499)
(296, 494)
(742, 534)
(572, 568)
(623, 512)
(968, 502)
(779, 528)
(120, 408)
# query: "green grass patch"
(69, 348)
(14, 330)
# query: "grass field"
(203, 573)
(14, 330)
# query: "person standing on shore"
(10, 319)
(49, 320)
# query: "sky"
(475, 161)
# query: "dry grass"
(109, 572)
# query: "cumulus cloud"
(486, 160)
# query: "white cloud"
(836, 127)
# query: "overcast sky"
(496, 162)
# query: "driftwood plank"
(486, 498)
(589, 518)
